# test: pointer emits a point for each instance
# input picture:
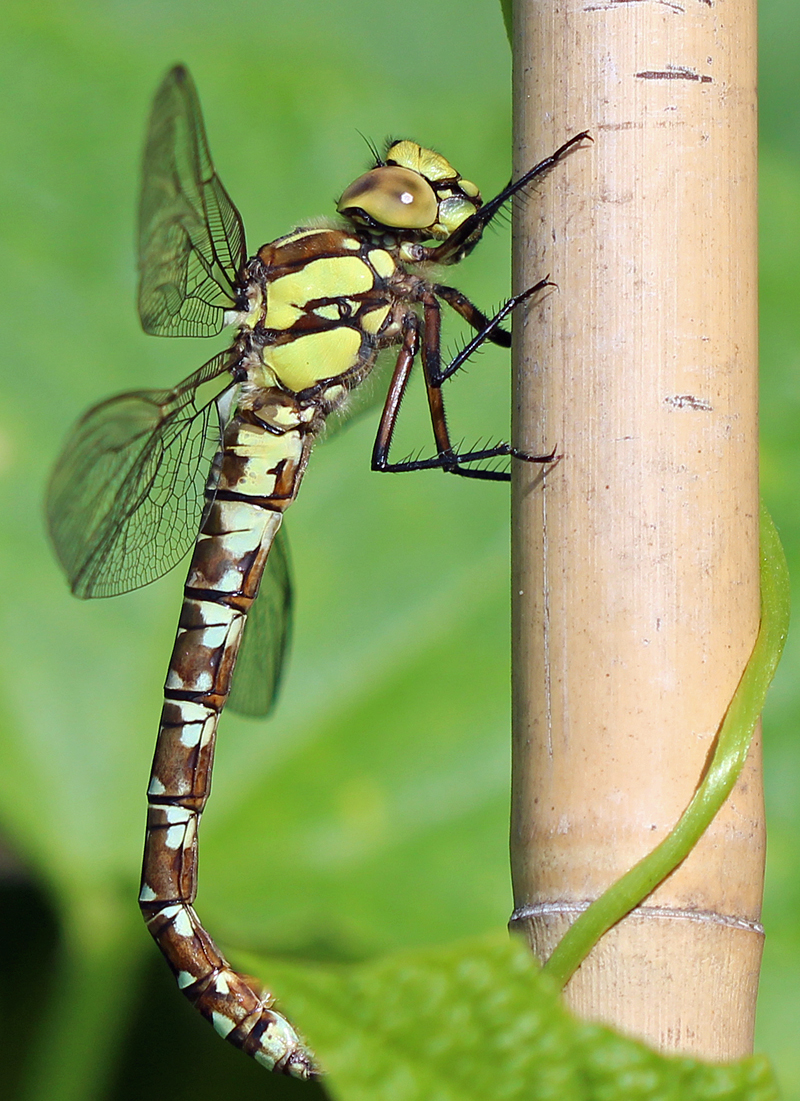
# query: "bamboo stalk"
(635, 592)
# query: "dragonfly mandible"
(144, 471)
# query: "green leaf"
(508, 17)
(477, 1021)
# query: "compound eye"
(391, 196)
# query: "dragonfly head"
(413, 193)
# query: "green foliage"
(476, 1021)
(369, 816)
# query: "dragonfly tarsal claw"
(527, 457)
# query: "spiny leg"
(397, 388)
(463, 240)
(489, 330)
(402, 372)
(446, 458)
(471, 314)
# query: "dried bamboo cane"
(636, 585)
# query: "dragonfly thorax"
(323, 301)
(414, 191)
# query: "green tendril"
(732, 746)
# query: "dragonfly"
(216, 461)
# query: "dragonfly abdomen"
(260, 471)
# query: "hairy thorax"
(321, 305)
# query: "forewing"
(126, 497)
(191, 239)
(265, 641)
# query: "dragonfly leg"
(397, 387)
(446, 458)
(488, 328)
(471, 314)
(462, 241)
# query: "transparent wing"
(127, 494)
(267, 632)
(191, 239)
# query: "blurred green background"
(371, 812)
